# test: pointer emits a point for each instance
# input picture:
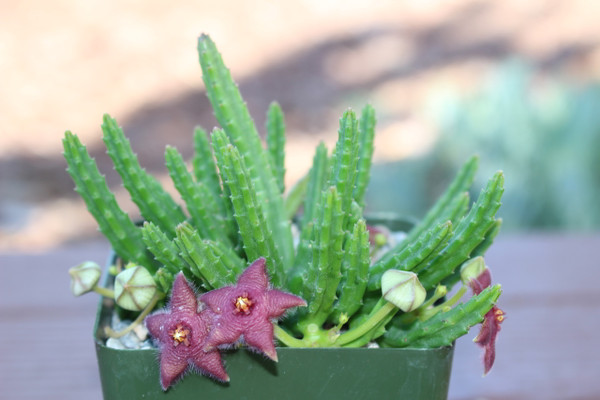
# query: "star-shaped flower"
(491, 321)
(247, 309)
(180, 332)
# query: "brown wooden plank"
(546, 349)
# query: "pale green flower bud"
(84, 277)
(472, 269)
(403, 289)
(134, 288)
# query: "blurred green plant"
(544, 133)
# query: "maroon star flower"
(491, 322)
(180, 333)
(246, 309)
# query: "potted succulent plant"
(356, 306)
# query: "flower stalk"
(106, 292)
(109, 332)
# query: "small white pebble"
(141, 332)
(114, 344)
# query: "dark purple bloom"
(180, 332)
(491, 322)
(247, 309)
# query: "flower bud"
(472, 269)
(84, 277)
(134, 288)
(403, 289)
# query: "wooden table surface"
(547, 348)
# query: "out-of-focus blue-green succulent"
(234, 210)
(544, 132)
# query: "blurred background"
(515, 82)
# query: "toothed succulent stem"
(410, 254)
(199, 200)
(124, 236)
(233, 116)
(446, 326)
(276, 143)
(355, 270)
(450, 200)
(469, 233)
(154, 203)
(366, 136)
(258, 239)
(323, 273)
(445, 306)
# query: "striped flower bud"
(403, 289)
(134, 288)
(84, 277)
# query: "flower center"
(179, 335)
(499, 315)
(243, 304)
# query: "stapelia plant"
(352, 283)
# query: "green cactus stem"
(411, 255)
(201, 205)
(233, 116)
(124, 236)
(216, 265)
(323, 273)
(205, 174)
(469, 233)
(276, 143)
(450, 202)
(166, 252)
(203, 164)
(366, 136)
(154, 203)
(490, 235)
(355, 270)
(295, 197)
(317, 178)
(258, 240)
(343, 165)
(445, 327)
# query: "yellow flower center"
(499, 315)
(243, 304)
(179, 335)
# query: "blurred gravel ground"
(65, 63)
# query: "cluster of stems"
(236, 209)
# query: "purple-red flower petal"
(483, 281)
(486, 338)
(180, 333)
(245, 310)
(280, 301)
(261, 337)
(255, 276)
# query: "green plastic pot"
(307, 373)
(301, 373)
(322, 373)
